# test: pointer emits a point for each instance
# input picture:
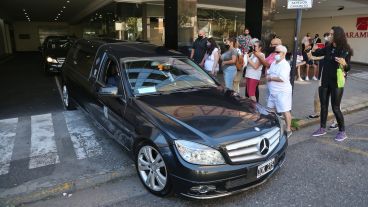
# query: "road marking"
(82, 136)
(7, 137)
(43, 145)
(349, 149)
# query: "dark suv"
(185, 132)
(54, 50)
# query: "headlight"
(198, 154)
(51, 60)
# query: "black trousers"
(336, 95)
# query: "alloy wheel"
(152, 168)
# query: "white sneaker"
(300, 79)
(307, 78)
(314, 78)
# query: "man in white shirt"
(278, 77)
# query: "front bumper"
(227, 179)
(54, 67)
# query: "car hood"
(211, 116)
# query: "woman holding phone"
(336, 56)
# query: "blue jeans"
(229, 76)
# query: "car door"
(113, 101)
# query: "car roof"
(140, 49)
(123, 49)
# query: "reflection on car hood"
(210, 116)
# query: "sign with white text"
(300, 4)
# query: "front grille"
(61, 60)
(248, 150)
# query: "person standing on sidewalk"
(199, 47)
(279, 86)
(241, 60)
(245, 41)
(336, 55)
(254, 71)
(211, 59)
(228, 62)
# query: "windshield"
(165, 74)
(58, 44)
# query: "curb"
(37, 193)
(308, 122)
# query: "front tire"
(68, 104)
(152, 170)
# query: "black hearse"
(185, 132)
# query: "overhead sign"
(300, 4)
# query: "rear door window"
(85, 61)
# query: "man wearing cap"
(278, 77)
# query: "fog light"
(203, 188)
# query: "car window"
(109, 74)
(58, 44)
(165, 74)
(84, 60)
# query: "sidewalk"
(355, 95)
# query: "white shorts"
(281, 101)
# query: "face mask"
(326, 38)
(208, 44)
(200, 37)
(227, 46)
(277, 57)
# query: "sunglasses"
(278, 52)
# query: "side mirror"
(108, 91)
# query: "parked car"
(184, 131)
(54, 50)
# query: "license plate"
(265, 168)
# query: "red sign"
(362, 23)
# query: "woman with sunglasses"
(336, 55)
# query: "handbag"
(239, 62)
(340, 78)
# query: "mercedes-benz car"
(54, 51)
(186, 133)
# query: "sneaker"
(341, 136)
(314, 78)
(300, 79)
(289, 133)
(307, 78)
(333, 126)
(319, 132)
(313, 116)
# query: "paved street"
(317, 172)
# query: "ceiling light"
(61, 11)
(24, 10)
(68, 2)
(64, 7)
(319, 2)
(284, 6)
